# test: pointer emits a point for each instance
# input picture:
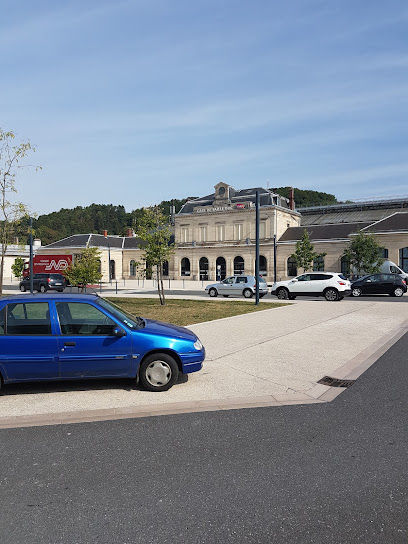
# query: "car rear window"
(58, 277)
(342, 276)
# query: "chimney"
(129, 232)
(37, 242)
(292, 198)
(105, 233)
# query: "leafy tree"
(304, 198)
(305, 253)
(18, 267)
(85, 269)
(154, 231)
(11, 213)
(364, 253)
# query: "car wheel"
(247, 293)
(398, 292)
(282, 293)
(158, 372)
(60, 290)
(213, 292)
(356, 292)
(42, 289)
(331, 294)
(23, 288)
(292, 297)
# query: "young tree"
(11, 213)
(154, 231)
(305, 253)
(18, 267)
(85, 269)
(364, 253)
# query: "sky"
(131, 102)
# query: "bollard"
(100, 287)
(183, 283)
(116, 286)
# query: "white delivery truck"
(388, 267)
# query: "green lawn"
(187, 312)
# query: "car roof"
(43, 297)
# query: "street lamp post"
(31, 257)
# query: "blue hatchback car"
(66, 336)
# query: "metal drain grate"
(336, 382)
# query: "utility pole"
(31, 257)
(257, 248)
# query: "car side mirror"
(118, 332)
(295, 280)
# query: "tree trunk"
(160, 285)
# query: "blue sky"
(136, 101)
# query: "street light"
(109, 259)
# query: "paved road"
(270, 298)
(300, 474)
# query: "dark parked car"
(379, 284)
(65, 336)
(44, 282)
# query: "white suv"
(330, 285)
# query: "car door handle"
(69, 343)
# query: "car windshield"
(129, 320)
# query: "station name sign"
(212, 209)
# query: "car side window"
(31, 318)
(228, 281)
(305, 277)
(2, 323)
(80, 318)
(241, 280)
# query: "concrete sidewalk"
(268, 358)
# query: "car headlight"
(198, 345)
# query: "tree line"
(115, 219)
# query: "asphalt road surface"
(330, 473)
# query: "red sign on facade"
(240, 206)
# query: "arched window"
(221, 268)
(239, 265)
(345, 266)
(403, 258)
(292, 268)
(318, 264)
(132, 268)
(185, 266)
(263, 265)
(203, 264)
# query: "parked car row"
(332, 286)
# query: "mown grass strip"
(188, 312)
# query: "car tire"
(23, 288)
(292, 297)
(356, 292)
(158, 372)
(398, 292)
(213, 292)
(42, 289)
(282, 293)
(60, 290)
(247, 293)
(331, 294)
